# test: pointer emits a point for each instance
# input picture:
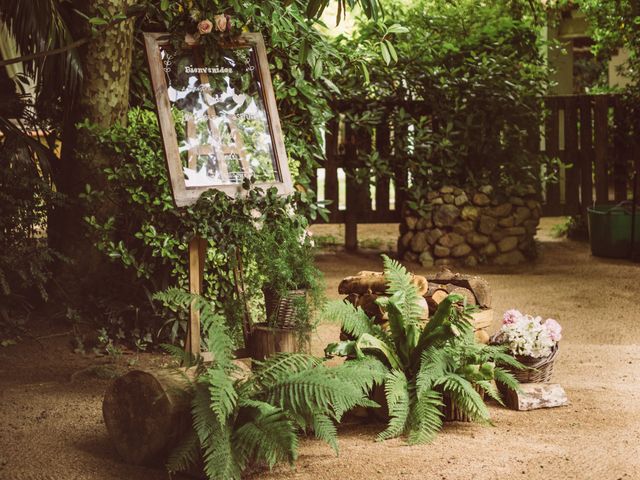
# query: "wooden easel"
(197, 252)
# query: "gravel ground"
(50, 399)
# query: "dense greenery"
(148, 237)
(463, 96)
(426, 364)
(243, 420)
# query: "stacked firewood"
(364, 288)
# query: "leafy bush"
(242, 421)
(26, 195)
(425, 364)
(463, 97)
(148, 237)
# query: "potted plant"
(292, 287)
(534, 342)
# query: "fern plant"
(241, 420)
(424, 363)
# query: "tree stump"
(146, 413)
(266, 341)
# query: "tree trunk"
(103, 100)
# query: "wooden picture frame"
(216, 174)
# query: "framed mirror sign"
(218, 117)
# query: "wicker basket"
(282, 311)
(539, 370)
(453, 413)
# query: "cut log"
(435, 299)
(468, 295)
(535, 395)
(266, 341)
(481, 336)
(146, 413)
(375, 282)
(477, 285)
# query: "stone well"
(472, 227)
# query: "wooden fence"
(589, 134)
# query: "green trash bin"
(610, 230)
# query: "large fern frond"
(324, 429)
(426, 417)
(353, 319)
(401, 286)
(185, 454)
(315, 390)
(396, 389)
(490, 389)
(434, 363)
(280, 366)
(505, 377)
(220, 456)
(223, 397)
(465, 396)
(268, 436)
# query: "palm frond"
(396, 389)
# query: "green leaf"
(386, 56)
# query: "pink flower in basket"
(511, 316)
(204, 27)
(554, 329)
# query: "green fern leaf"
(185, 454)
(223, 397)
(324, 429)
(465, 396)
(426, 418)
(396, 388)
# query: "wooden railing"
(588, 133)
(594, 135)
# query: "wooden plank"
(620, 148)
(601, 146)
(572, 199)
(552, 137)
(331, 168)
(197, 250)
(382, 183)
(351, 214)
(586, 154)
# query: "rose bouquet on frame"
(528, 336)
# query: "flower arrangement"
(529, 336)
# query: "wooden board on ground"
(536, 395)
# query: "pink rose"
(510, 316)
(204, 27)
(222, 22)
(554, 329)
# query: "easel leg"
(197, 250)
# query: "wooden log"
(478, 285)
(436, 298)
(266, 341)
(536, 395)
(481, 336)
(468, 295)
(375, 282)
(146, 413)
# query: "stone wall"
(472, 227)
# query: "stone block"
(448, 197)
(477, 239)
(460, 250)
(507, 221)
(463, 227)
(461, 199)
(446, 189)
(419, 242)
(405, 240)
(426, 260)
(446, 216)
(515, 231)
(469, 212)
(487, 224)
(522, 214)
(433, 235)
(411, 222)
(481, 199)
(450, 239)
(489, 250)
(505, 245)
(441, 251)
(502, 210)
